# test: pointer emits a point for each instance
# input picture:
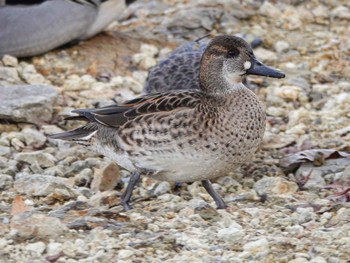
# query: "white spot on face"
(247, 65)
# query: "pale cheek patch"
(247, 65)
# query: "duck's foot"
(125, 198)
(220, 203)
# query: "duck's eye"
(233, 53)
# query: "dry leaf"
(316, 156)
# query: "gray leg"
(125, 198)
(220, 203)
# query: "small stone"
(275, 186)
(43, 159)
(43, 185)
(54, 248)
(10, 61)
(318, 260)
(17, 144)
(269, 10)
(291, 17)
(341, 12)
(162, 188)
(149, 49)
(321, 11)
(281, 46)
(232, 233)
(299, 260)
(125, 254)
(145, 62)
(258, 246)
(106, 178)
(38, 247)
(5, 151)
(265, 55)
(288, 93)
(27, 225)
(30, 75)
(105, 198)
(6, 181)
(10, 75)
(315, 179)
(305, 214)
(84, 177)
(27, 103)
(33, 137)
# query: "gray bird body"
(185, 135)
(32, 29)
(179, 71)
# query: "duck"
(30, 28)
(180, 69)
(184, 135)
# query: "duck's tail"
(83, 133)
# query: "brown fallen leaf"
(18, 206)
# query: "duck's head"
(227, 59)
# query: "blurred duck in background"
(30, 28)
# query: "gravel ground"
(59, 201)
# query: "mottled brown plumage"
(185, 136)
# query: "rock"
(275, 186)
(269, 10)
(84, 177)
(265, 55)
(37, 247)
(106, 178)
(341, 12)
(315, 177)
(291, 18)
(125, 254)
(4, 150)
(162, 188)
(257, 249)
(149, 50)
(28, 225)
(277, 141)
(106, 198)
(27, 103)
(44, 185)
(304, 215)
(6, 181)
(43, 159)
(10, 75)
(299, 260)
(318, 259)
(10, 61)
(30, 75)
(320, 12)
(281, 46)
(233, 233)
(54, 248)
(33, 137)
(288, 93)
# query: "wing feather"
(118, 114)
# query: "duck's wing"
(118, 114)
(115, 116)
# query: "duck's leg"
(220, 203)
(125, 198)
